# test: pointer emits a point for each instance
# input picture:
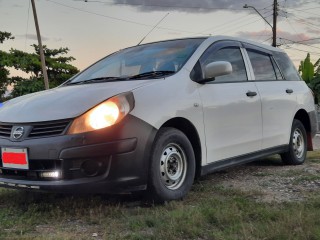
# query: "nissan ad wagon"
(156, 116)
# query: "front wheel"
(297, 152)
(172, 167)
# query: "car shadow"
(23, 199)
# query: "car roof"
(243, 40)
(222, 37)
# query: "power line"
(228, 23)
(303, 21)
(98, 14)
(267, 40)
(298, 9)
(307, 40)
(315, 53)
(291, 11)
(295, 42)
(243, 25)
(293, 28)
(120, 19)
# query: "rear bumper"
(104, 161)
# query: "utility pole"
(43, 62)
(274, 26)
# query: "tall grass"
(210, 211)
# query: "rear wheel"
(172, 167)
(297, 152)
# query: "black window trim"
(269, 53)
(248, 46)
(220, 45)
(276, 65)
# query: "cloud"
(282, 36)
(200, 5)
(256, 36)
(34, 37)
(316, 19)
(31, 37)
(17, 6)
(313, 31)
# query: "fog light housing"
(51, 174)
(91, 168)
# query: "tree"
(5, 36)
(317, 67)
(58, 67)
(307, 69)
(310, 73)
(4, 73)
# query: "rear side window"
(262, 66)
(287, 68)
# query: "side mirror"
(216, 69)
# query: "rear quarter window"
(287, 68)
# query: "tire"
(297, 152)
(172, 167)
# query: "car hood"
(62, 102)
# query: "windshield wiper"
(153, 74)
(99, 79)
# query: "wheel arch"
(191, 132)
(303, 117)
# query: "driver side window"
(228, 54)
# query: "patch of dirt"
(270, 181)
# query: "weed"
(210, 211)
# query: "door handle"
(289, 91)
(251, 94)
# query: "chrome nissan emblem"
(18, 133)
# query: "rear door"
(231, 105)
(278, 97)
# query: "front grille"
(5, 130)
(48, 129)
(37, 130)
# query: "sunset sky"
(94, 29)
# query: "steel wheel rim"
(298, 143)
(173, 166)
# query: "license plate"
(15, 158)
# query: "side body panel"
(278, 110)
(232, 119)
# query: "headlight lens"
(104, 115)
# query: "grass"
(210, 211)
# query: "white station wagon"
(156, 116)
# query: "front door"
(231, 106)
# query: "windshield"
(147, 61)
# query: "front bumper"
(110, 160)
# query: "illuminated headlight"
(53, 174)
(104, 115)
